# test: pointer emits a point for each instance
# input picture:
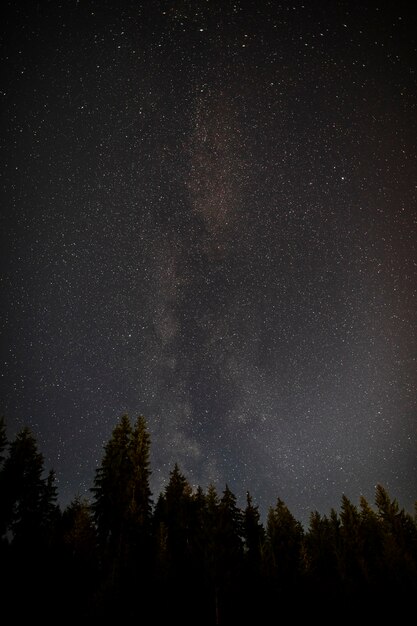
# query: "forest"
(190, 556)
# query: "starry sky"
(208, 217)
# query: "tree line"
(192, 556)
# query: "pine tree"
(284, 542)
(78, 531)
(173, 511)
(351, 561)
(30, 518)
(252, 582)
(111, 492)
(399, 546)
(78, 560)
(372, 540)
(122, 512)
(253, 532)
(175, 523)
(24, 489)
(211, 525)
(141, 497)
(321, 556)
(231, 526)
(139, 513)
(229, 548)
(387, 509)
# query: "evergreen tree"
(24, 489)
(139, 514)
(173, 511)
(79, 532)
(284, 542)
(372, 541)
(387, 509)
(253, 532)
(230, 528)
(122, 512)
(198, 528)
(212, 505)
(351, 558)
(79, 560)
(229, 540)
(176, 520)
(112, 499)
(399, 547)
(141, 497)
(321, 557)
(211, 534)
(252, 583)
(122, 495)
(50, 510)
(30, 518)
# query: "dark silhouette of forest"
(190, 556)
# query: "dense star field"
(208, 218)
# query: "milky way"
(209, 218)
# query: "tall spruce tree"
(173, 515)
(122, 512)
(372, 541)
(351, 561)
(24, 489)
(230, 528)
(252, 583)
(140, 509)
(253, 532)
(229, 548)
(29, 517)
(111, 486)
(284, 543)
(122, 503)
(399, 546)
(178, 547)
(79, 561)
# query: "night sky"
(208, 217)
